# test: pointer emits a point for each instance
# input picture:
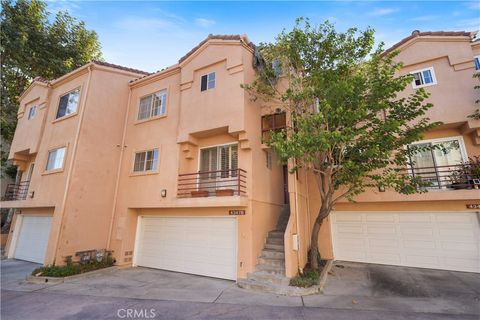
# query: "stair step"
(265, 277)
(278, 247)
(271, 261)
(273, 254)
(271, 269)
(259, 286)
(275, 240)
(276, 234)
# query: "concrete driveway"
(353, 290)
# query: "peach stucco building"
(168, 170)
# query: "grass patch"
(308, 279)
(71, 269)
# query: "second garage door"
(204, 246)
(438, 240)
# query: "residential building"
(170, 170)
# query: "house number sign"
(473, 206)
(236, 212)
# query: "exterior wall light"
(163, 193)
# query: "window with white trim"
(207, 81)
(220, 161)
(55, 159)
(477, 62)
(68, 103)
(31, 112)
(423, 78)
(153, 105)
(145, 161)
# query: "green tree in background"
(31, 46)
(349, 122)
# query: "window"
(153, 105)
(477, 62)
(32, 112)
(146, 161)
(423, 78)
(208, 81)
(219, 162)
(273, 122)
(434, 166)
(55, 159)
(68, 103)
(268, 159)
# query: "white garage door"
(204, 246)
(438, 240)
(32, 241)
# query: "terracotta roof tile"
(116, 66)
(40, 79)
(417, 33)
(214, 36)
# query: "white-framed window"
(55, 159)
(68, 103)
(423, 77)
(145, 161)
(476, 59)
(207, 81)
(153, 105)
(436, 165)
(219, 161)
(31, 112)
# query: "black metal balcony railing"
(16, 191)
(212, 183)
(462, 176)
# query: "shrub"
(307, 279)
(72, 268)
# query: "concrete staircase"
(269, 275)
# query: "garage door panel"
(32, 241)
(418, 239)
(198, 245)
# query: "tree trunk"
(322, 214)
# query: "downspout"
(72, 161)
(119, 170)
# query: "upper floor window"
(477, 62)
(153, 105)
(208, 81)
(219, 162)
(55, 159)
(423, 78)
(32, 112)
(146, 161)
(273, 122)
(68, 103)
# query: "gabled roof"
(217, 37)
(416, 34)
(116, 66)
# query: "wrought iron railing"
(212, 183)
(16, 191)
(462, 176)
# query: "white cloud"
(425, 18)
(382, 11)
(202, 22)
(475, 5)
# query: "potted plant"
(199, 193)
(224, 192)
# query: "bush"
(307, 279)
(71, 268)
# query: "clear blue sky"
(151, 35)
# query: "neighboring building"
(169, 171)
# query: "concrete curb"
(57, 280)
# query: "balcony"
(16, 191)
(456, 177)
(218, 183)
